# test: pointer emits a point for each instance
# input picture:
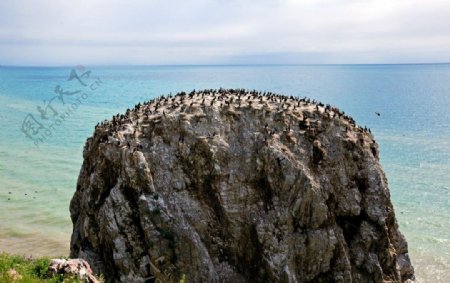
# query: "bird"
(378, 113)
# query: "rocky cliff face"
(236, 186)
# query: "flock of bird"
(237, 98)
(25, 194)
(187, 103)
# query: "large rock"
(235, 186)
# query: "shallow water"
(413, 131)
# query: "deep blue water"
(413, 132)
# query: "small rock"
(78, 268)
(13, 275)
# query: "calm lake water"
(38, 181)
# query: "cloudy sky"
(49, 32)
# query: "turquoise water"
(413, 131)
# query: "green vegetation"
(20, 269)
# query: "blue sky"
(142, 32)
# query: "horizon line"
(220, 65)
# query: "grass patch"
(15, 268)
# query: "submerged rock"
(236, 186)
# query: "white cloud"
(213, 31)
